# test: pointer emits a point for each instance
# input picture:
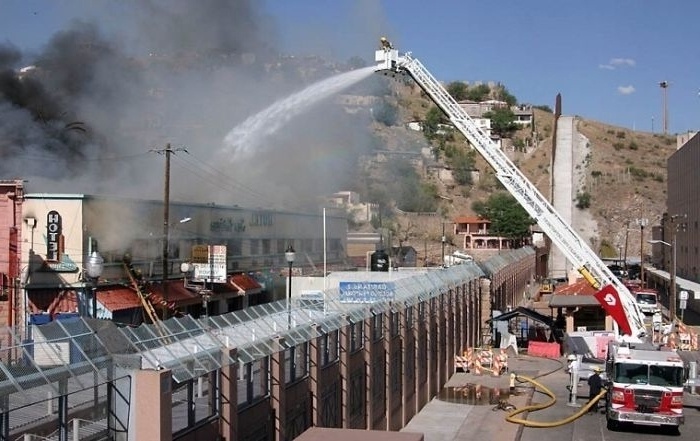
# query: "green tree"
(462, 163)
(508, 218)
(458, 90)
(478, 93)
(502, 121)
(501, 93)
(583, 200)
(433, 118)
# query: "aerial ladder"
(613, 294)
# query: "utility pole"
(167, 151)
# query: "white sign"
(683, 304)
(216, 272)
(683, 295)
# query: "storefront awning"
(244, 284)
(118, 298)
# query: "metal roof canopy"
(96, 349)
(527, 312)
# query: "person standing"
(595, 385)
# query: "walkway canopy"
(527, 312)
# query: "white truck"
(645, 386)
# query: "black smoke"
(124, 79)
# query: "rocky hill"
(621, 174)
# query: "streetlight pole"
(672, 275)
(289, 254)
(642, 223)
(93, 268)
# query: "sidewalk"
(464, 409)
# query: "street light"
(289, 254)
(672, 301)
(642, 223)
(93, 268)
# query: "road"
(592, 427)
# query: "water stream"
(247, 136)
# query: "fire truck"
(654, 395)
(645, 386)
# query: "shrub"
(583, 200)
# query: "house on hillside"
(472, 233)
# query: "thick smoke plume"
(89, 111)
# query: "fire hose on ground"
(539, 406)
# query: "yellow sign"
(200, 254)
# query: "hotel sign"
(54, 235)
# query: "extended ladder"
(538, 207)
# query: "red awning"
(177, 293)
(118, 298)
(243, 284)
(52, 301)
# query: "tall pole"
(166, 230)
(642, 223)
(664, 87)
(289, 298)
(167, 151)
(673, 278)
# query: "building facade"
(59, 231)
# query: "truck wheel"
(613, 425)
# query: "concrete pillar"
(345, 336)
(485, 312)
(278, 386)
(316, 361)
(228, 421)
(151, 406)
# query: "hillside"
(621, 171)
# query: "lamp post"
(289, 255)
(94, 267)
(642, 223)
(672, 275)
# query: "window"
(253, 381)
(234, 247)
(296, 364)
(357, 341)
(377, 329)
(409, 317)
(329, 348)
(254, 247)
(395, 324)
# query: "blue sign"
(366, 292)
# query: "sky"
(605, 57)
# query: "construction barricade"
(544, 349)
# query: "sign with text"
(366, 292)
(200, 254)
(215, 268)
